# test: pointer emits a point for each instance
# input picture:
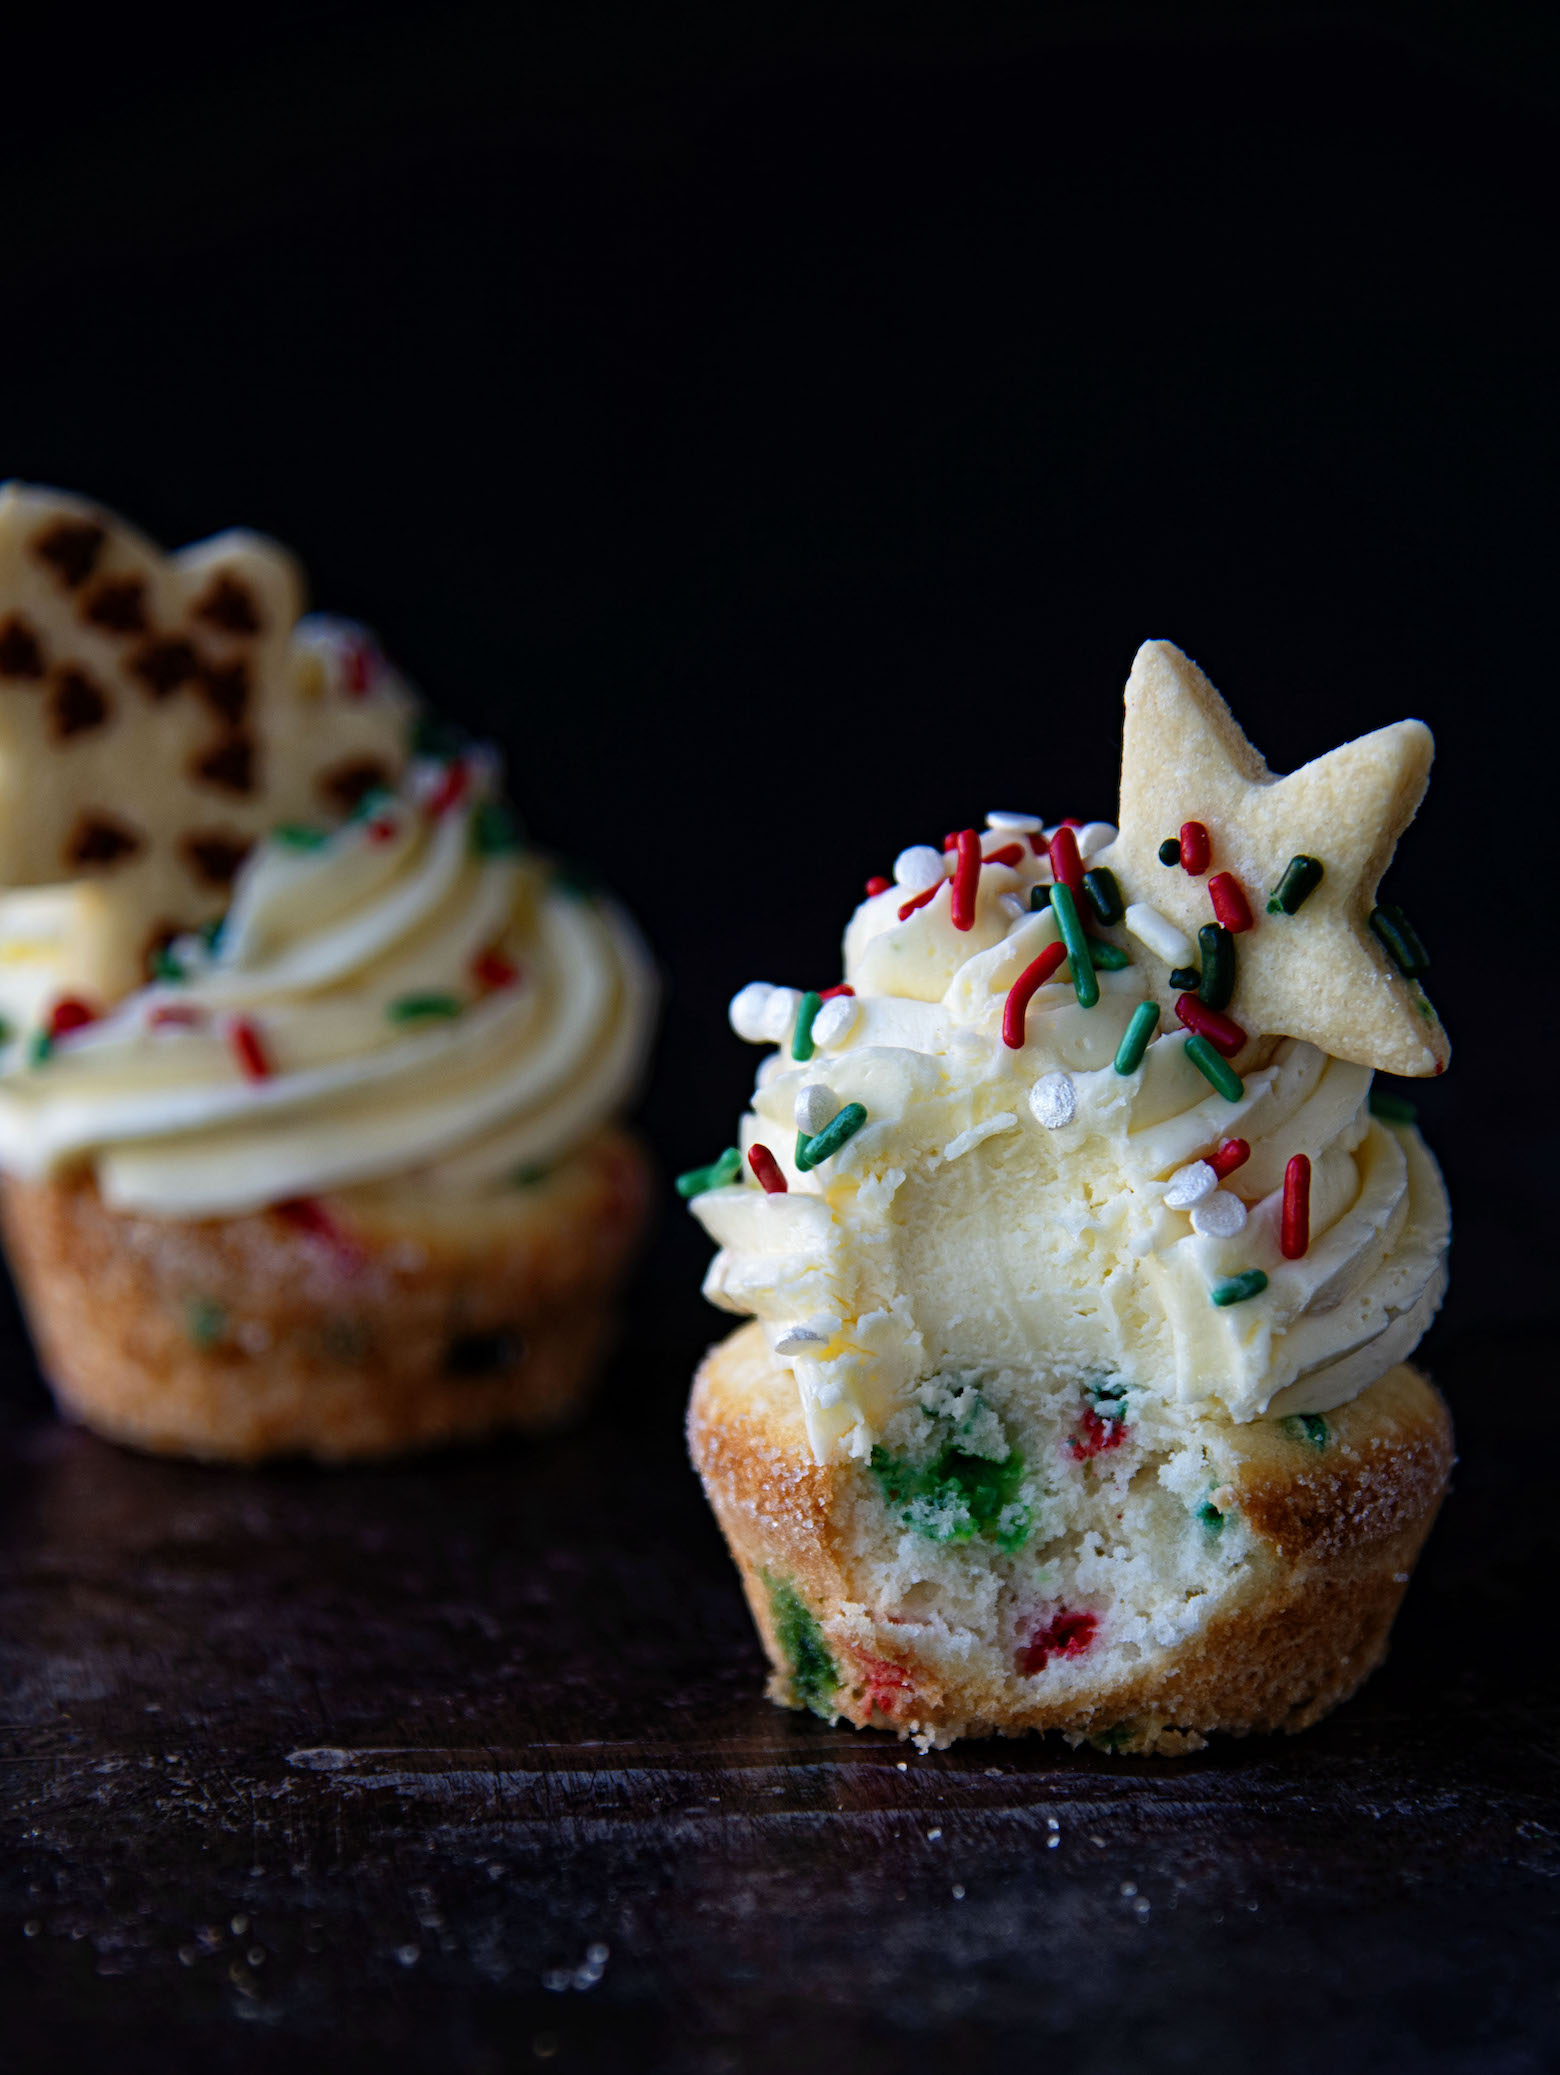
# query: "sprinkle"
(297, 835)
(1065, 1635)
(966, 879)
(779, 1011)
(766, 1169)
(1209, 1516)
(829, 1140)
(1104, 895)
(1169, 851)
(1195, 848)
(1095, 1435)
(919, 867)
(1309, 1427)
(39, 1046)
(165, 966)
(382, 829)
(1295, 1225)
(173, 1017)
(1037, 843)
(1219, 1216)
(1213, 1069)
(1232, 1153)
(1067, 866)
(1085, 984)
(492, 970)
(210, 933)
(814, 1106)
(528, 1175)
(1217, 947)
(1022, 991)
(434, 736)
(360, 665)
(494, 829)
(411, 1008)
(69, 1014)
(917, 900)
(576, 882)
(802, 1037)
(1190, 1184)
(1401, 940)
(374, 801)
(1302, 876)
(1021, 824)
(1134, 1043)
(451, 788)
(835, 1020)
(951, 842)
(1158, 933)
(1107, 957)
(308, 1214)
(1009, 854)
(746, 1011)
(248, 1050)
(1222, 1033)
(1392, 1109)
(1053, 1100)
(204, 1321)
(1229, 902)
(833, 993)
(877, 885)
(718, 1175)
(1095, 835)
(1239, 1287)
(795, 1338)
(1186, 978)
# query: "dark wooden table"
(464, 1767)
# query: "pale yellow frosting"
(964, 1228)
(424, 1002)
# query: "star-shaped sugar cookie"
(158, 713)
(1320, 973)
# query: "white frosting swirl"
(412, 995)
(1007, 1208)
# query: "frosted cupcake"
(1084, 1262)
(340, 1176)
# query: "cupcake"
(1084, 1262)
(314, 1154)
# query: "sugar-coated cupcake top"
(1090, 1102)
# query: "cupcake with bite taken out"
(320, 1157)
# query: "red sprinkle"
(951, 842)
(451, 789)
(248, 1051)
(1229, 902)
(1196, 850)
(172, 1018)
(1295, 1227)
(876, 886)
(359, 668)
(1222, 1032)
(1233, 1153)
(1022, 991)
(767, 1170)
(1064, 1635)
(1096, 1436)
(919, 900)
(1067, 866)
(493, 970)
(887, 1684)
(70, 1014)
(310, 1215)
(1009, 854)
(828, 993)
(381, 829)
(966, 879)
(1037, 843)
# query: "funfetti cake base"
(1076, 1395)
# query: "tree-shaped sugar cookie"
(1264, 888)
(158, 713)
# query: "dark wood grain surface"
(465, 1766)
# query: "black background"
(780, 436)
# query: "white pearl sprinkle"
(1159, 933)
(835, 1020)
(748, 1007)
(919, 867)
(1014, 905)
(795, 1338)
(1219, 1216)
(1020, 824)
(1054, 1101)
(815, 1105)
(780, 1013)
(1189, 1185)
(1095, 835)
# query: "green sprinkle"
(1239, 1287)
(1085, 985)
(1302, 876)
(1104, 894)
(39, 1046)
(529, 1175)
(1210, 1517)
(957, 1496)
(433, 736)
(1218, 965)
(1184, 978)
(164, 965)
(1402, 942)
(210, 933)
(1108, 958)
(1392, 1109)
(824, 1144)
(6, 1032)
(1134, 1042)
(806, 1654)
(372, 802)
(1170, 851)
(411, 1008)
(297, 835)
(720, 1174)
(1214, 1069)
(204, 1321)
(1039, 897)
(1309, 1427)
(802, 1041)
(494, 830)
(577, 881)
